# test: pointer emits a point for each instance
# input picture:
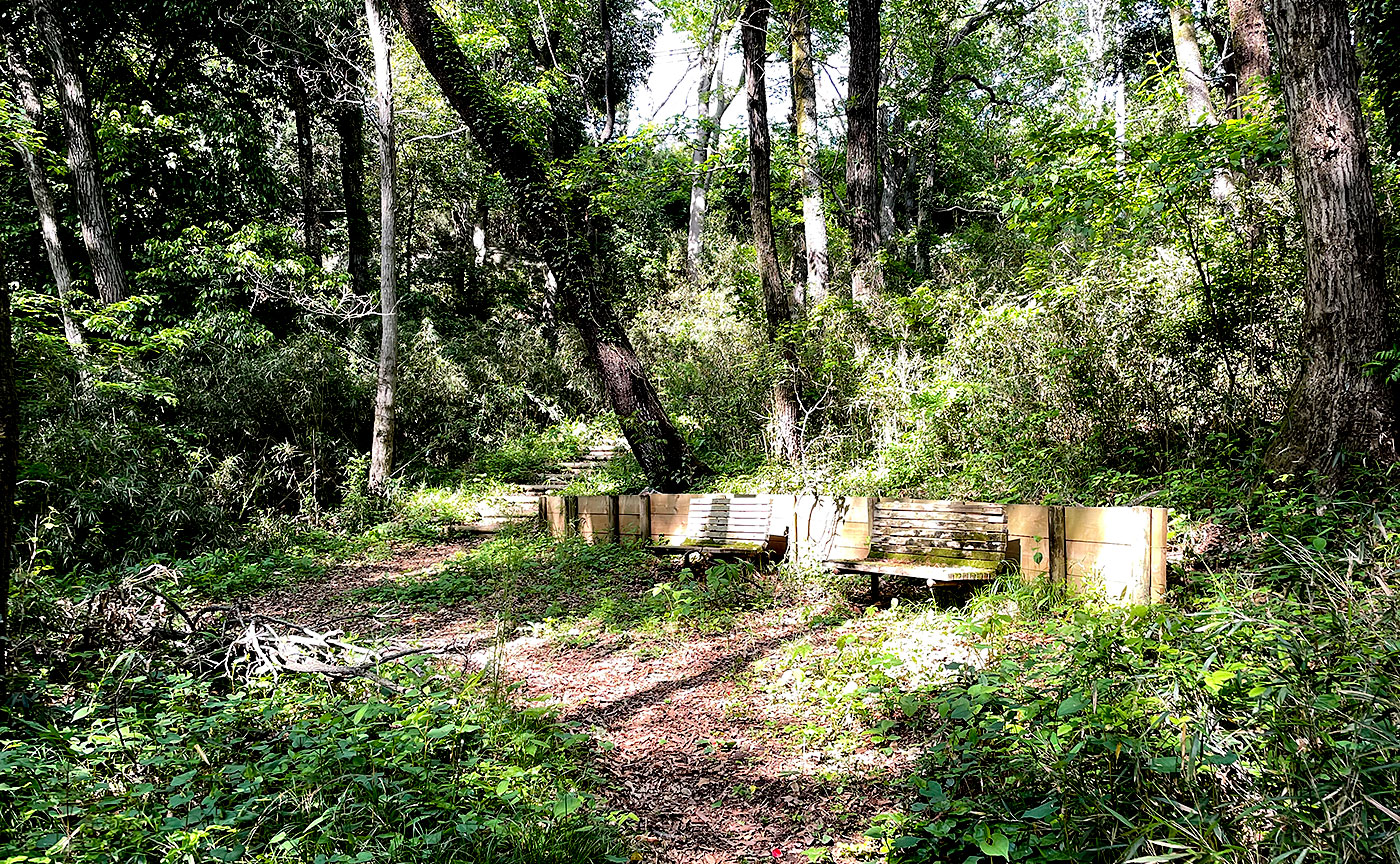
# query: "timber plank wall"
(1118, 553)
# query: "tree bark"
(568, 238)
(107, 274)
(862, 148)
(382, 443)
(1340, 407)
(350, 128)
(9, 471)
(804, 115)
(785, 430)
(43, 198)
(306, 164)
(609, 104)
(1249, 51)
(1199, 111)
(711, 103)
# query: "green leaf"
(1072, 705)
(1040, 812)
(996, 846)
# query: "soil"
(690, 739)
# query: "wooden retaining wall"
(1117, 552)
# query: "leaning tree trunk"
(1249, 51)
(382, 443)
(1341, 407)
(862, 148)
(350, 128)
(107, 273)
(566, 236)
(785, 433)
(306, 164)
(1188, 60)
(804, 112)
(43, 198)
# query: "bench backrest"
(728, 520)
(952, 532)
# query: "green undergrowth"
(1255, 719)
(431, 765)
(576, 590)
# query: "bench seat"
(931, 541)
(727, 526)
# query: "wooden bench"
(728, 526)
(932, 541)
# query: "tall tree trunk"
(785, 434)
(43, 197)
(306, 164)
(862, 148)
(1340, 407)
(568, 238)
(804, 114)
(382, 445)
(9, 470)
(107, 273)
(350, 128)
(1188, 61)
(1249, 51)
(931, 173)
(711, 103)
(609, 104)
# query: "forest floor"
(699, 734)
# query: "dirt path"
(692, 740)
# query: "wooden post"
(614, 520)
(1059, 559)
(544, 511)
(571, 516)
(645, 528)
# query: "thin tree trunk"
(107, 273)
(1249, 51)
(711, 103)
(43, 199)
(382, 444)
(609, 105)
(784, 438)
(1199, 111)
(1340, 407)
(306, 164)
(9, 470)
(568, 238)
(862, 148)
(930, 140)
(804, 112)
(350, 128)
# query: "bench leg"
(874, 587)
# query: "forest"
(307, 307)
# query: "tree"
(107, 273)
(570, 240)
(382, 441)
(9, 471)
(1188, 61)
(862, 148)
(306, 164)
(785, 438)
(712, 100)
(350, 129)
(1249, 59)
(804, 110)
(1340, 407)
(29, 154)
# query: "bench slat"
(961, 507)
